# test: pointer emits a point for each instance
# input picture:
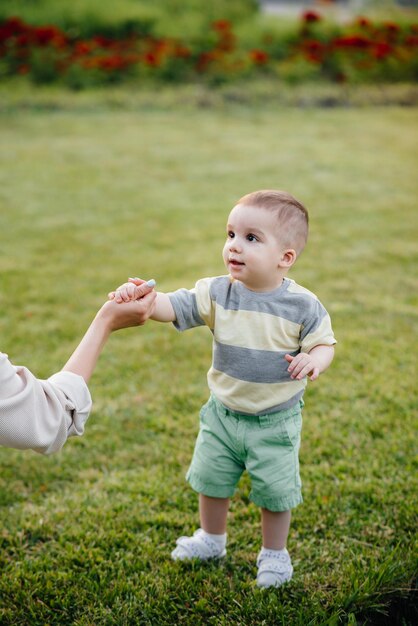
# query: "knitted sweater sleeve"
(40, 414)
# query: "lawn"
(95, 191)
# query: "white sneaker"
(199, 546)
(274, 568)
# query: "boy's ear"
(288, 258)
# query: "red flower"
(12, 27)
(363, 22)
(412, 41)
(259, 57)
(113, 63)
(352, 41)
(152, 59)
(159, 49)
(108, 63)
(82, 48)
(313, 45)
(221, 26)
(390, 31)
(45, 35)
(391, 27)
(314, 50)
(382, 50)
(103, 42)
(22, 40)
(310, 17)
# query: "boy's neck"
(264, 288)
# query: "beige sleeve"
(205, 305)
(40, 414)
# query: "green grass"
(17, 95)
(92, 192)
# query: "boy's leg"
(213, 514)
(273, 464)
(209, 541)
(274, 564)
(275, 528)
(215, 470)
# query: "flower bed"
(360, 51)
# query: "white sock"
(272, 553)
(220, 540)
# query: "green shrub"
(86, 18)
(192, 49)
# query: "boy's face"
(253, 253)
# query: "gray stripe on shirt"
(295, 307)
(255, 366)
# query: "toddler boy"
(269, 335)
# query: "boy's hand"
(133, 290)
(310, 364)
(302, 365)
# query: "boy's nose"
(234, 245)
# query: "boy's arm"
(163, 311)
(311, 363)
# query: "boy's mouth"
(235, 263)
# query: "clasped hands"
(135, 289)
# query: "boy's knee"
(203, 483)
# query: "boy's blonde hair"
(292, 216)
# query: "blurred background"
(97, 42)
(128, 131)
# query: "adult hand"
(127, 314)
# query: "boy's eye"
(231, 234)
(251, 237)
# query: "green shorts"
(267, 446)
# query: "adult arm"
(41, 414)
(110, 317)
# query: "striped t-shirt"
(252, 331)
